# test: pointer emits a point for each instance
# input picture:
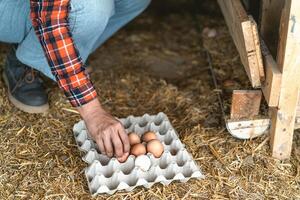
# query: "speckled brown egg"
(155, 147)
(138, 149)
(148, 136)
(134, 138)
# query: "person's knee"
(88, 17)
(87, 21)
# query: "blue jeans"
(92, 22)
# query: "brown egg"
(134, 138)
(155, 147)
(138, 149)
(148, 136)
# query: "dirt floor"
(157, 63)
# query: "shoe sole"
(22, 106)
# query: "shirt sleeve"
(50, 22)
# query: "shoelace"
(29, 76)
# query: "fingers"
(100, 145)
(118, 146)
(107, 144)
(114, 141)
(124, 139)
(123, 158)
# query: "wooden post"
(283, 117)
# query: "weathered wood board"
(244, 31)
(272, 83)
(245, 104)
(283, 117)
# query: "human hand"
(107, 132)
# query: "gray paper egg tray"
(107, 175)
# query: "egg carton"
(108, 175)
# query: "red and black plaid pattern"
(50, 22)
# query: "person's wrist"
(86, 111)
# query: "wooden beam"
(241, 30)
(270, 23)
(283, 117)
(271, 86)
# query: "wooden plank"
(270, 23)
(257, 49)
(271, 86)
(241, 30)
(297, 125)
(245, 104)
(298, 107)
(283, 118)
(249, 59)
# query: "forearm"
(50, 22)
(86, 111)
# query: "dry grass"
(38, 156)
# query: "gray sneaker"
(25, 86)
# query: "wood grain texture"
(256, 40)
(245, 104)
(283, 117)
(271, 85)
(241, 30)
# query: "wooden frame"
(279, 24)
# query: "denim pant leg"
(14, 20)
(88, 19)
(92, 22)
(125, 11)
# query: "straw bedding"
(155, 64)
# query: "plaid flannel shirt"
(50, 22)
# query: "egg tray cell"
(108, 175)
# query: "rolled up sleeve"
(50, 22)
